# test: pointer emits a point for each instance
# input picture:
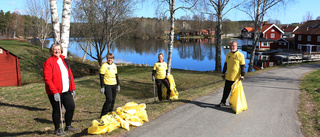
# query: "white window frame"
(299, 37)
(309, 38)
(272, 30)
(272, 35)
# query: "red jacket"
(52, 76)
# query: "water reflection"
(188, 54)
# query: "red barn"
(10, 69)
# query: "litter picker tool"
(61, 118)
(154, 91)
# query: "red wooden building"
(9, 69)
(307, 37)
(269, 33)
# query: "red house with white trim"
(269, 33)
(10, 69)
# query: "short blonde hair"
(233, 42)
(54, 45)
(161, 54)
(110, 55)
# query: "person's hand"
(153, 79)
(102, 90)
(242, 78)
(73, 93)
(118, 88)
(223, 76)
(57, 97)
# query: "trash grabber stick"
(154, 91)
(61, 118)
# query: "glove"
(118, 88)
(153, 79)
(223, 76)
(242, 78)
(73, 93)
(57, 97)
(102, 90)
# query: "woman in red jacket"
(59, 86)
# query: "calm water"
(196, 54)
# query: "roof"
(266, 26)
(250, 29)
(286, 39)
(287, 28)
(10, 52)
(309, 27)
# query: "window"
(299, 46)
(318, 39)
(318, 48)
(309, 38)
(250, 42)
(265, 44)
(272, 30)
(299, 37)
(272, 35)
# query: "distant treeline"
(22, 26)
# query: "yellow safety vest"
(234, 60)
(109, 71)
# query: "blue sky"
(293, 13)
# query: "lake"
(188, 54)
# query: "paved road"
(272, 98)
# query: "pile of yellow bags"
(174, 92)
(129, 114)
(237, 99)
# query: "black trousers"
(110, 93)
(68, 103)
(226, 91)
(165, 83)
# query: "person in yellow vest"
(235, 68)
(109, 82)
(159, 75)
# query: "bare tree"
(257, 9)
(186, 5)
(307, 17)
(218, 7)
(41, 11)
(104, 22)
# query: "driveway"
(272, 98)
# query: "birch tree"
(219, 8)
(41, 11)
(62, 38)
(55, 21)
(186, 5)
(65, 32)
(257, 9)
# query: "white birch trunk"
(65, 31)
(172, 10)
(55, 21)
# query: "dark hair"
(54, 45)
(110, 55)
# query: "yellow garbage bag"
(108, 123)
(174, 92)
(237, 99)
(133, 113)
(130, 114)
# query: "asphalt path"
(272, 98)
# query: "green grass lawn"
(309, 106)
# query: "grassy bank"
(32, 59)
(309, 106)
